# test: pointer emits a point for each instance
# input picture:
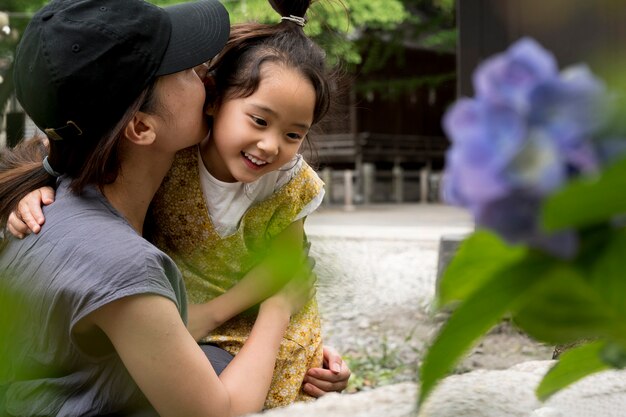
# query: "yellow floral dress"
(212, 264)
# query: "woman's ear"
(141, 129)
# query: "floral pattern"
(211, 264)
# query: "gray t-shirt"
(86, 256)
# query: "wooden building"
(388, 123)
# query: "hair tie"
(300, 21)
(48, 168)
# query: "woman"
(112, 84)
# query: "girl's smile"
(253, 161)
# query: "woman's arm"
(285, 261)
(171, 369)
(160, 355)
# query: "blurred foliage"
(555, 301)
(13, 329)
(347, 29)
(376, 366)
(368, 33)
(360, 34)
(19, 12)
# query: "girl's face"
(180, 98)
(260, 133)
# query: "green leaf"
(614, 355)
(607, 272)
(503, 292)
(572, 366)
(587, 201)
(478, 258)
(565, 308)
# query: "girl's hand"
(28, 216)
(333, 377)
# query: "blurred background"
(403, 62)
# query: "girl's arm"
(171, 369)
(284, 262)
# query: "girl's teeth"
(254, 160)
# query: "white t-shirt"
(229, 201)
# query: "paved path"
(396, 221)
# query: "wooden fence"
(369, 167)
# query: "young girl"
(232, 209)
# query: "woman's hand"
(333, 377)
(28, 216)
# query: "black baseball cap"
(81, 63)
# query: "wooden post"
(327, 177)
(424, 185)
(348, 190)
(358, 152)
(397, 174)
(369, 182)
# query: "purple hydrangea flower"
(528, 130)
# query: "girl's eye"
(296, 136)
(258, 121)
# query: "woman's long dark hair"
(88, 161)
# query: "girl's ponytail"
(291, 8)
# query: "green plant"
(376, 366)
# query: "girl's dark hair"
(237, 69)
(86, 161)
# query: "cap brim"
(199, 31)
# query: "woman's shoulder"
(87, 228)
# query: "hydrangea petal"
(538, 166)
(516, 219)
(509, 78)
(484, 139)
(571, 109)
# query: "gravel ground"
(377, 270)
